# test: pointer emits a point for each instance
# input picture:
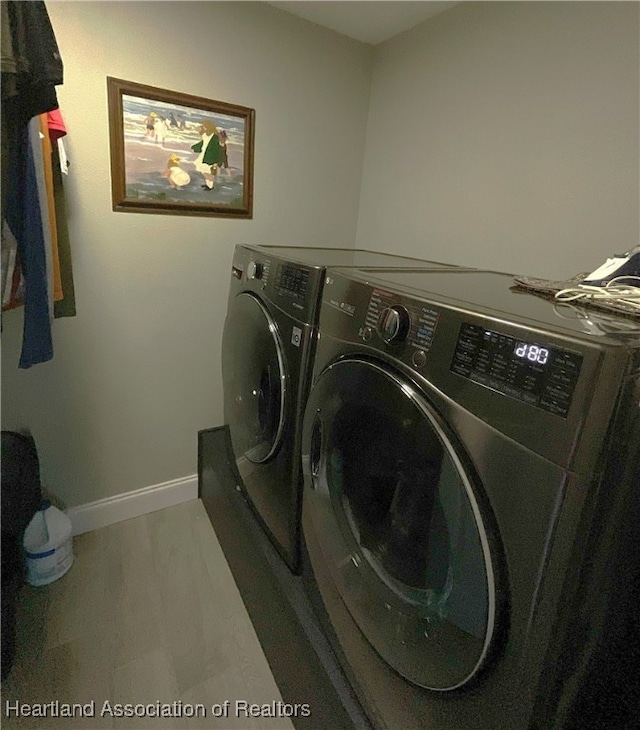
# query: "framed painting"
(179, 154)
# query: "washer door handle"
(315, 456)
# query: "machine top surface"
(344, 257)
(494, 294)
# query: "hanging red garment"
(55, 125)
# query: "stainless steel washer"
(267, 354)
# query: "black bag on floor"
(21, 495)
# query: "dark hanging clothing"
(31, 69)
(25, 222)
(31, 59)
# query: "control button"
(367, 332)
(419, 359)
(236, 272)
(393, 324)
(254, 270)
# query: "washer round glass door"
(254, 379)
(399, 520)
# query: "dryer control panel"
(398, 319)
(536, 382)
(440, 342)
(537, 374)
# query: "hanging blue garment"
(23, 217)
(31, 69)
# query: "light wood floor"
(148, 613)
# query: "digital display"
(533, 353)
(537, 374)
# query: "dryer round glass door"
(254, 379)
(401, 523)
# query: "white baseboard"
(108, 511)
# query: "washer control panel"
(291, 281)
(255, 270)
(290, 285)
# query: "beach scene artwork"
(177, 157)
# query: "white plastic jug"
(48, 545)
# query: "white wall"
(137, 372)
(505, 135)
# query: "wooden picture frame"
(179, 154)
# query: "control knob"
(254, 270)
(394, 324)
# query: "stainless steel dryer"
(471, 466)
(267, 353)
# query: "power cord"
(596, 322)
(613, 291)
